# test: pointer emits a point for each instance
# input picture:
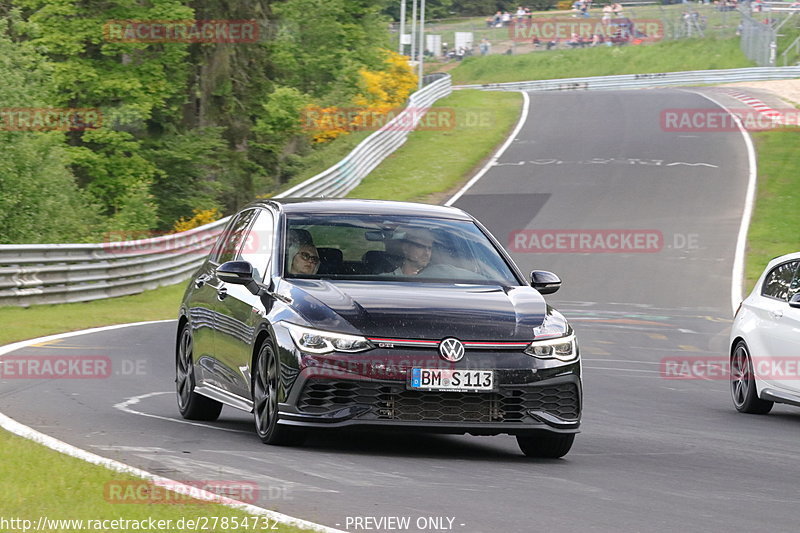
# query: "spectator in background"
(498, 19)
(484, 46)
(607, 13)
(506, 18)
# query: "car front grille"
(394, 402)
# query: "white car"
(765, 340)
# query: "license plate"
(452, 380)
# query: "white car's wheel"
(743, 383)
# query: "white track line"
(737, 274)
(526, 101)
(26, 432)
(125, 407)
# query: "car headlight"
(563, 348)
(316, 341)
(553, 339)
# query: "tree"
(39, 200)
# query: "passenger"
(304, 259)
(301, 254)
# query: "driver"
(417, 246)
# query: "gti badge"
(451, 349)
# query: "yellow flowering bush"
(380, 93)
(201, 218)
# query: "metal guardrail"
(32, 274)
(344, 176)
(640, 81)
(60, 273)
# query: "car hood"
(419, 310)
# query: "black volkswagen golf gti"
(334, 313)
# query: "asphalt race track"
(655, 454)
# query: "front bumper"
(523, 402)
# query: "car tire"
(265, 401)
(743, 384)
(545, 444)
(192, 406)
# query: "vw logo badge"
(451, 349)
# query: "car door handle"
(201, 280)
(776, 313)
(222, 293)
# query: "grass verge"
(38, 482)
(670, 56)
(467, 126)
(776, 219)
(26, 323)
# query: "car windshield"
(392, 248)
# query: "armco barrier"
(59, 273)
(642, 81)
(33, 274)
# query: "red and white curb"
(779, 118)
(12, 426)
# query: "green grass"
(432, 163)
(26, 323)
(775, 227)
(670, 56)
(38, 482)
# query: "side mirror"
(795, 301)
(545, 282)
(238, 273)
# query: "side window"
(233, 237)
(794, 288)
(257, 249)
(779, 282)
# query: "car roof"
(782, 259)
(363, 207)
